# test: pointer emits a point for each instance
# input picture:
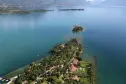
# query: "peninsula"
(71, 9)
(64, 66)
(15, 10)
(11, 10)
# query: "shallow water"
(24, 37)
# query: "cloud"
(90, 0)
(95, 2)
(102, 0)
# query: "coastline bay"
(23, 37)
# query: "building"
(72, 68)
(75, 61)
(4, 81)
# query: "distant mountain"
(71, 2)
(31, 4)
(37, 4)
(17, 2)
(10, 9)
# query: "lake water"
(26, 38)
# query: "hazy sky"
(109, 2)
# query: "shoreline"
(94, 69)
(37, 10)
(18, 71)
(93, 61)
(90, 64)
(15, 72)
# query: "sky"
(115, 2)
(95, 2)
(108, 2)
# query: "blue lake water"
(24, 37)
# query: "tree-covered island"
(63, 66)
(77, 29)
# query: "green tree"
(18, 81)
(77, 29)
(32, 77)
